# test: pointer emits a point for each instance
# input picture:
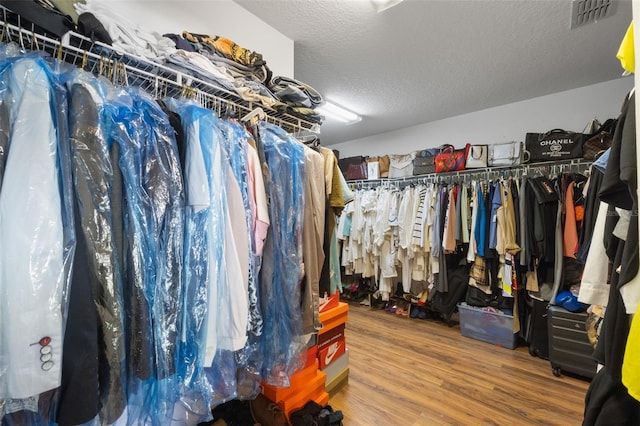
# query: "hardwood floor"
(406, 371)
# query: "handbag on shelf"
(344, 163)
(600, 140)
(378, 167)
(425, 161)
(383, 162)
(401, 165)
(596, 145)
(373, 168)
(357, 171)
(450, 160)
(505, 154)
(477, 156)
(556, 144)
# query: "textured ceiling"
(426, 60)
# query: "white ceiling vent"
(587, 11)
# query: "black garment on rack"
(163, 183)
(618, 190)
(79, 391)
(541, 211)
(608, 403)
(606, 395)
(516, 207)
(176, 124)
(489, 253)
(442, 285)
(615, 189)
(591, 207)
(525, 255)
(92, 176)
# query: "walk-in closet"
(311, 212)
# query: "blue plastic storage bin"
(490, 327)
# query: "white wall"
(570, 110)
(213, 17)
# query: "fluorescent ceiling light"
(382, 5)
(336, 112)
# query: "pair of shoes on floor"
(409, 297)
(402, 312)
(267, 413)
(418, 312)
(422, 298)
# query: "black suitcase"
(537, 334)
(569, 346)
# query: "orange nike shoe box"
(329, 301)
(332, 351)
(298, 384)
(333, 318)
(323, 400)
(312, 390)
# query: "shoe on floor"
(267, 413)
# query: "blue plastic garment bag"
(153, 212)
(281, 273)
(202, 253)
(248, 359)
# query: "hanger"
(308, 138)
(254, 116)
(4, 31)
(34, 40)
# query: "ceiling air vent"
(587, 11)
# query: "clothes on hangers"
(35, 206)
(170, 307)
(606, 394)
(485, 219)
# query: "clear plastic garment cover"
(36, 217)
(147, 320)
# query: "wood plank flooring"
(406, 371)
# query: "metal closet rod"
(126, 70)
(550, 168)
